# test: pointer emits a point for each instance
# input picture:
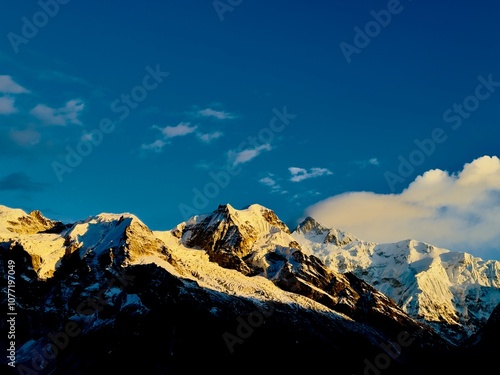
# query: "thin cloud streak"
(301, 174)
(184, 128)
(9, 86)
(245, 156)
(220, 115)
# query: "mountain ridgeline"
(233, 289)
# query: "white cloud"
(8, 86)
(7, 105)
(300, 174)
(271, 182)
(156, 146)
(60, 116)
(248, 154)
(459, 211)
(180, 130)
(268, 181)
(220, 115)
(205, 165)
(26, 137)
(209, 137)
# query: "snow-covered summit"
(319, 233)
(16, 221)
(103, 239)
(229, 235)
(10, 213)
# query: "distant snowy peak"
(113, 238)
(313, 230)
(7, 213)
(17, 221)
(255, 214)
(312, 227)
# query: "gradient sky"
(169, 108)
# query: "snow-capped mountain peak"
(309, 225)
(7, 213)
(113, 239)
(17, 221)
(316, 232)
(229, 236)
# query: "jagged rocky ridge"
(221, 291)
(256, 242)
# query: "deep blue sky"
(227, 72)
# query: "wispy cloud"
(209, 137)
(26, 137)
(156, 146)
(245, 156)
(9, 86)
(220, 115)
(180, 130)
(365, 163)
(205, 165)
(268, 181)
(68, 114)
(272, 183)
(7, 106)
(184, 128)
(301, 174)
(20, 181)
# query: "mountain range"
(237, 290)
(454, 292)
